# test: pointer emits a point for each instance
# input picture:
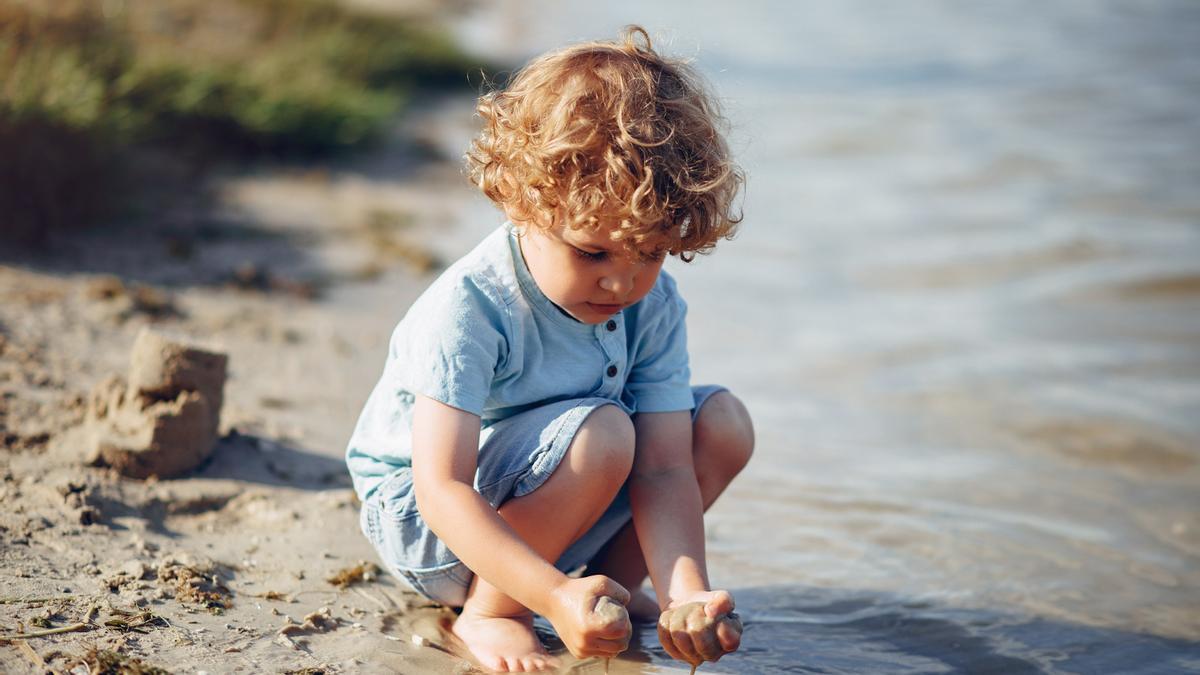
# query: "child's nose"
(617, 284)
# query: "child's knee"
(723, 430)
(604, 444)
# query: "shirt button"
(612, 371)
(611, 325)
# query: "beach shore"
(297, 274)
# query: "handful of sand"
(611, 611)
(691, 617)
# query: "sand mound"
(163, 422)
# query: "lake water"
(964, 310)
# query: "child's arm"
(445, 448)
(667, 510)
(668, 516)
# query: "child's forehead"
(600, 237)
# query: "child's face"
(585, 273)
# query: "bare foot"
(503, 643)
(642, 607)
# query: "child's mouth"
(604, 309)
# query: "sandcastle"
(163, 422)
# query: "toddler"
(535, 416)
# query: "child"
(535, 415)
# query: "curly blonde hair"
(614, 135)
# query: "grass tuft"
(82, 82)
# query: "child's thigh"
(519, 453)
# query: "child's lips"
(605, 309)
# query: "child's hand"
(590, 616)
(700, 628)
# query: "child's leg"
(498, 629)
(722, 442)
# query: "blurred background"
(963, 307)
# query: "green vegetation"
(82, 81)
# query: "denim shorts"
(516, 456)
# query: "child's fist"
(703, 628)
(591, 619)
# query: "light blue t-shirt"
(485, 339)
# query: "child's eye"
(594, 257)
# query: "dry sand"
(298, 276)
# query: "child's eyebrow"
(588, 244)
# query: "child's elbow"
(427, 493)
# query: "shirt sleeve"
(660, 379)
(450, 345)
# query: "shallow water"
(964, 310)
